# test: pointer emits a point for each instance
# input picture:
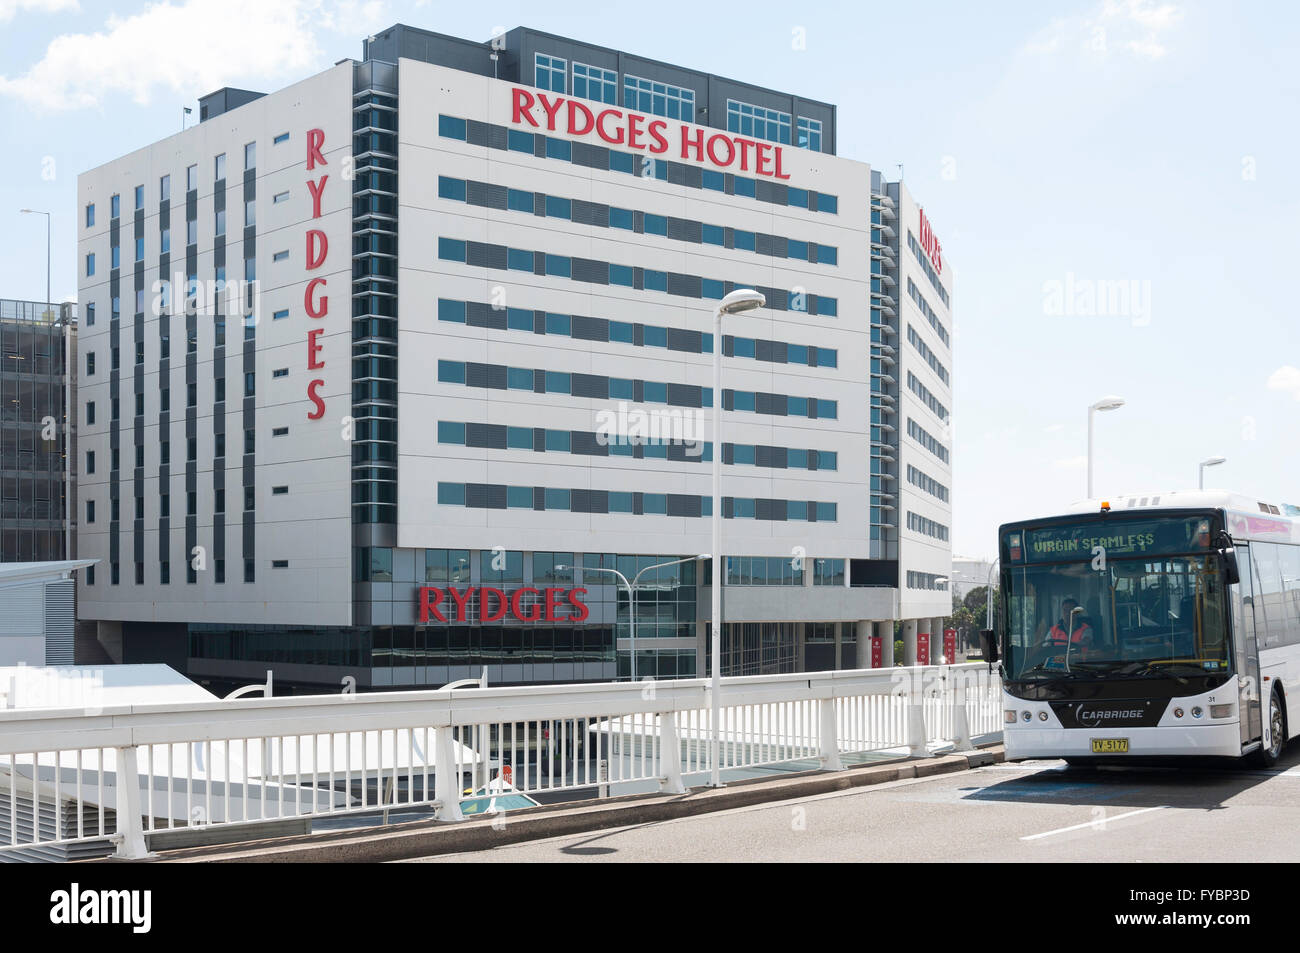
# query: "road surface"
(1037, 812)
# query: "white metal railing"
(263, 761)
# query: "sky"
(1109, 180)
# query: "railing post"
(916, 746)
(446, 779)
(960, 724)
(670, 754)
(130, 822)
(829, 735)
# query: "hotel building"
(390, 370)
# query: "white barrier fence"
(257, 762)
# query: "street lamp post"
(988, 593)
(34, 211)
(1106, 403)
(631, 595)
(1200, 472)
(737, 302)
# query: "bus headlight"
(1025, 716)
(1178, 713)
(1042, 716)
(1198, 711)
(1009, 717)
(1220, 711)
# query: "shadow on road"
(1205, 785)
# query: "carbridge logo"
(75, 906)
(619, 127)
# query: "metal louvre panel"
(22, 611)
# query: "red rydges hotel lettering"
(542, 608)
(931, 244)
(636, 131)
(316, 303)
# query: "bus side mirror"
(1231, 573)
(988, 645)
(1228, 556)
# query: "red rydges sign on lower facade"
(524, 605)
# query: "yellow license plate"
(1110, 746)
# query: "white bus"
(1157, 626)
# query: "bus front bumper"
(1221, 739)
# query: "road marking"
(1102, 822)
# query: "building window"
(280, 432)
(220, 394)
(250, 384)
(90, 314)
(90, 575)
(114, 573)
(165, 188)
(661, 99)
(220, 227)
(280, 256)
(250, 499)
(758, 121)
(219, 167)
(279, 197)
(165, 573)
(115, 204)
(282, 137)
(279, 490)
(280, 372)
(90, 411)
(250, 440)
(90, 362)
(248, 570)
(592, 82)
(550, 73)
(250, 156)
(280, 314)
(90, 511)
(810, 134)
(90, 214)
(139, 197)
(279, 564)
(250, 212)
(191, 178)
(221, 570)
(90, 264)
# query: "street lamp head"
(1214, 461)
(1108, 403)
(742, 299)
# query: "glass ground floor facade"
(429, 656)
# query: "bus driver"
(1073, 626)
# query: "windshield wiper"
(1144, 669)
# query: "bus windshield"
(1145, 617)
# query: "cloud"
(154, 52)
(1136, 26)
(1286, 379)
(8, 8)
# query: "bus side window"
(1290, 559)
